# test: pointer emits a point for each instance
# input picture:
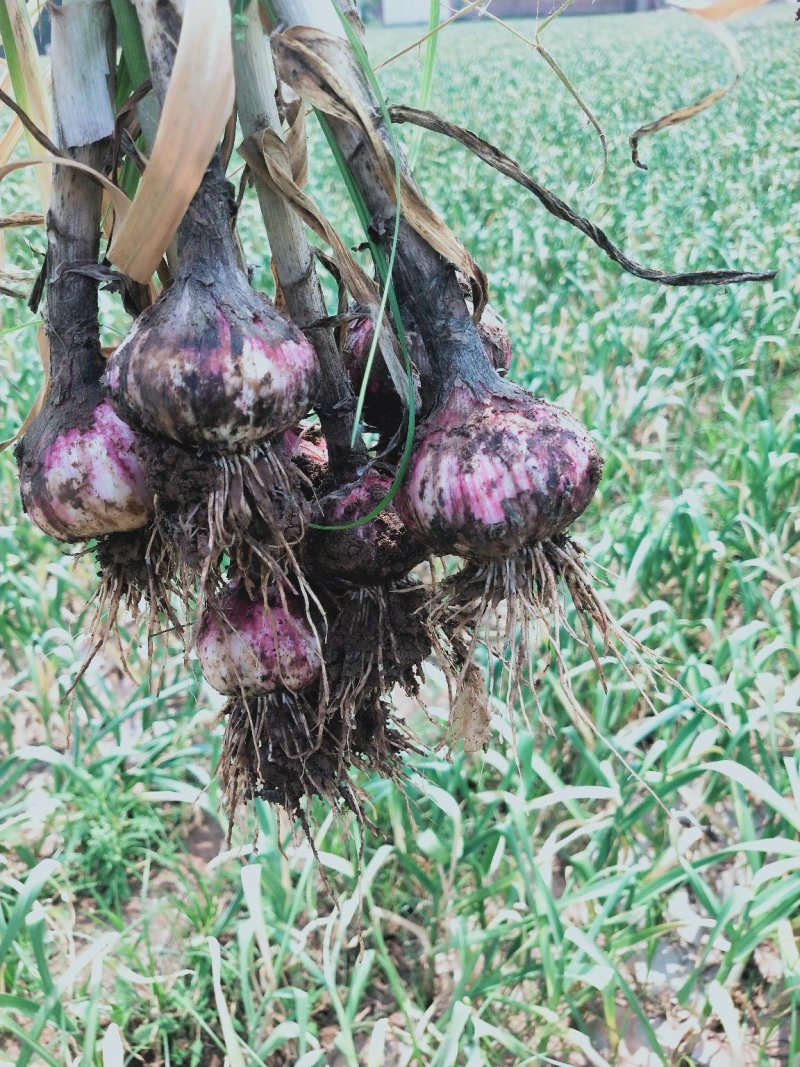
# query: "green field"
(539, 903)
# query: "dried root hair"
(288, 748)
(255, 512)
(499, 605)
(378, 637)
(135, 570)
(240, 513)
(281, 748)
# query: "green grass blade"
(30, 1046)
(27, 81)
(426, 86)
(34, 884)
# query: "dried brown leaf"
(267, 156)
(723, 9)
(469, 715)
(21, 218)
(118, 199)
(511, 169)
(324, 71)
(187, 137)
(710, 15)
(297, 147)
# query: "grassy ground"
(536, 904)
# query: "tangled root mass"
(247, 507)
(498, 604)
(283, 748)
(378, 638)
(133, 569)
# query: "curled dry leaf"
(21, 218)
(323, 70)
(117, 198)
(135, 297)
(470, 720)
(266, 154)
(186, 140)
(12, 294)
(710, 15)
(505, 165)
(297, 146)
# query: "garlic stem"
(291, 252)
(427, 285)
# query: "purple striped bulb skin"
(360, 332)
(224, 374)
(309, 450)
(250, 648)
(382, 406)
(373, 553)
(494, 473)
(87, 481)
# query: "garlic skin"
(307, 448)
(224, 371)
(496, 472)
(86, 481)
(250, 648)
(495, 339)
(383, 408)
(374, 553)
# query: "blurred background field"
(535, 904)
